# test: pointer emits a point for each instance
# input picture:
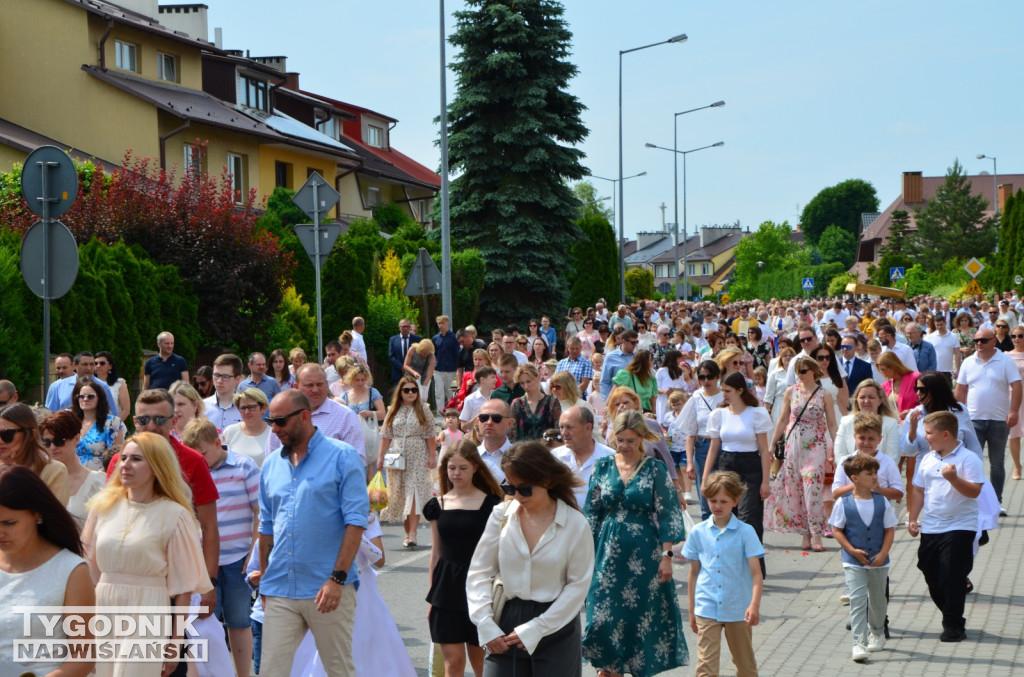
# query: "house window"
(329, 127)
(373, 196)
(659, 271)
(236, 174)
(375, 136)
(193, 160)
(167, 67)
(125, 56)
(705, 269)
(282, 172)
(421, 211)
(691, 269)
(254, 93)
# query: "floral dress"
(796, 505)
(530, 425)
(95, 443)
(412, 485)
(965, 342)
(633, 620)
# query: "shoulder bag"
(780, 446)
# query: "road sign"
(329, 234)
(974, 268)
(665, 288)
(896, 274)
(62, 263)
(808, 284)
(1017, 279)
(424, 278)
(60, 182)
(320, 203)
(973, 288)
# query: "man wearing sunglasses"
(313, 511)
(494, 421)
(854, 368)
(989, 384)
(59, 395)
(8, 393)
(808, 341)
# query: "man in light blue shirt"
(313, 511)
(258, 377)
(59, 395)
(617, 359)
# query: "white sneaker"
(688, 497)
(876, 643)
(844, 598)
(860, 654)
(1002, 511)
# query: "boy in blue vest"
(864, 525)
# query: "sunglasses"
(704, 377)
(102, 364)
(803, 371)
(8, 434)
(551, 438)
(86, 396)
(846, 347)
(1017, 336)
(1002, 326)
(807, 339)
(823, 358)
(497, 418)
(525, 490)
(920, 389)
(55, 442)
(281, 420)
(202, 384)
(4, 403)
(410, 390)
(983, 341)
(246, 408)
(160, 421)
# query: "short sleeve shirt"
(724, 586)
(945, 508)
(194, 470)
(162, 373)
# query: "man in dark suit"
(854, 369)
(398, 348)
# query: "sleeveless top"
(43, 586)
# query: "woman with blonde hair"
(188, 406)
(899, 383)
(535, 411)
(296, 358)
(564, 388)
(20, 445)
(342, 365)
(142, 538)
(249, 436)
(419, 364)
(407, 441)
(368, 404)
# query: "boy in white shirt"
(486, 378)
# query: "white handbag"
(394, 462)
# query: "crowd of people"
(555, 466)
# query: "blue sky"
(816, 92)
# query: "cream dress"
(410, 439)
(144, 554)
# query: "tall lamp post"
(995, 179)
(684, 153)
(615, 213)
(446, 241)
(622, 238)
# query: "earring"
(39, 522)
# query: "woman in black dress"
(469, 493)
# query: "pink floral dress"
(796, 504)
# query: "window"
(375, 136)
(254, 94)
(659, 270)
(421, 210)
(167, 67)
(125, 56)
(373, 197)
(691, 269)
(236, 172)
(282, 174)
(193, 160)
(329, 127)
(705, 269)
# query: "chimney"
(278, 63)
(647, 239)
(188, 19)
(913, 188)
(1004, 192)
(709, 234)
(291, 81)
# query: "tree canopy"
(837, 244)
(953, 223)
(839, 205)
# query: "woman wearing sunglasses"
(588, 337)
(1002, 331)
(796, 503)
(59, 433)
(102, 433)
(636, 519)
(106, 371)
(540, 547)
(1017, 336)
(934, 394)
(203, 382)
(834, 380)
(409, 431)
(693, 422)
(20, 445)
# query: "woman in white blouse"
(693, 422)
(869, 397)
(540, 546)
(739, 443)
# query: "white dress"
(666, 382)
(93, 482)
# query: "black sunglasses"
(55, 442)
(497, 418)
(803, 371)
(1017, 336)
(807, 339)
(552, 438)
(202, 384)
(983, 341)
(525, 490)
(8, 434)
(410, 390)
(158, 420)
(281, 420)
(920, 389)
(705, 377)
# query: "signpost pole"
(316, 265)
(423, 288)
(46, 275)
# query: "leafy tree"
(639, 283)
(294, 325)
(20, 320)
(953, 224)
(591, 203)
(839, 205)
(837, 244)
(280, 219)
(837, 286)
(770, 245)
(595, 262)
(514, 132)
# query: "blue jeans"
(257, 644)
(234, 596)
(700, 455)
(993, 434)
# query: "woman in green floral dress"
(633, 620)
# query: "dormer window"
(329, 127)
(254, 93)
(375, 136)
(124, 53)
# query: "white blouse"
(890, 444)
(558, 570)
(696, 412)
(739, 432)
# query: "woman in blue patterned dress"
(633, 619)
(102, 433)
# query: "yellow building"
(710, 258)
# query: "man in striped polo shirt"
(238, 482)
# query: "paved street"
(803, 625)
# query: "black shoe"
(849, 628)
(970, 586)
(886, 629)
(952, 636)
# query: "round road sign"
(1018, 279)
(61, 180)
(62, 263)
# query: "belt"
(703, 437)
(129, 579)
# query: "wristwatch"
(215, 582)
(668, 553)
(339, 576)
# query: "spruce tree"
(513, 131)
(954, 225)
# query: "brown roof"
(141, 22)
(713, 249)
(18, 137)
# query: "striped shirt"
(238, 483)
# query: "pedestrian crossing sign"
(808, 284)
(896, 274)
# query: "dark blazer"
(397, 356)
(860, 370)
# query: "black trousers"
(560, 654)
(750, 509)
(945, 560)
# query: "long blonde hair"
(167, 480)
(570, 389)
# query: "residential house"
(710, 257)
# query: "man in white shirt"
(886, 336)
(836, 314)
(580, 450)
(508, 344)
(946, 346)
(220, 406)
(808, 340)
(989, 384)
(358, 344)
(494, 421)
(486, 378)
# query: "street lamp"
(684, 153)
(615, 181)
(592, 203)
(995, 187)
(622, 238)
